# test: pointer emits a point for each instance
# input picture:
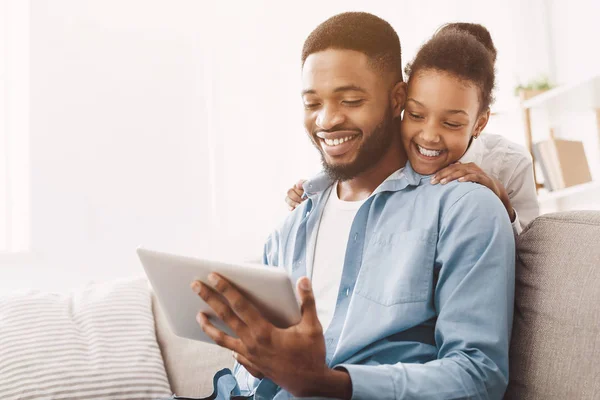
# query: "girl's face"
(440, 117)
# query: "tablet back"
(269, 288)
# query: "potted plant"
(533, 88)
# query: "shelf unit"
(583, 95)
(570, 191)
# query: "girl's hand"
(471, 172)
(294, 195)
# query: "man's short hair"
(359, 31)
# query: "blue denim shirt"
(424, 308)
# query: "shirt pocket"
(398, 267)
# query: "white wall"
(575, 32)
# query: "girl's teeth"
(429, 153)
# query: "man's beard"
(369, 153)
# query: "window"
(14, 126)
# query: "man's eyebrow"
(447, 111)
(346, 88)
(349, 88)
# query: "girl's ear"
(398, 98)
(481, 123)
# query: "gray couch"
(555, 351)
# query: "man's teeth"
(337, 142)
(429, 153)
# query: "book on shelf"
(563, 163)
(537, 153)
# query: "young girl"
(448, 105)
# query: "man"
(413, 282)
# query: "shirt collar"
(317, 184)
(398, 180)
(474, 153)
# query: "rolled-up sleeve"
(517, 224)
(522, 193)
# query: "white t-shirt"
(511, 164)
(330, 252)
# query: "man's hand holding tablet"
(257, 317)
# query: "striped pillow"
(96, 343)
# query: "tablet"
(269, 288)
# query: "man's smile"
(338, 143)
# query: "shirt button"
(347, 292)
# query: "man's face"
(348, 113)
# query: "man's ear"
(481, 123)
(399, 93)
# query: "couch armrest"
(190, 364)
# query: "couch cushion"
(556, 334)
(190, 364)
(97, 342)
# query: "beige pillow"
(95, 343)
